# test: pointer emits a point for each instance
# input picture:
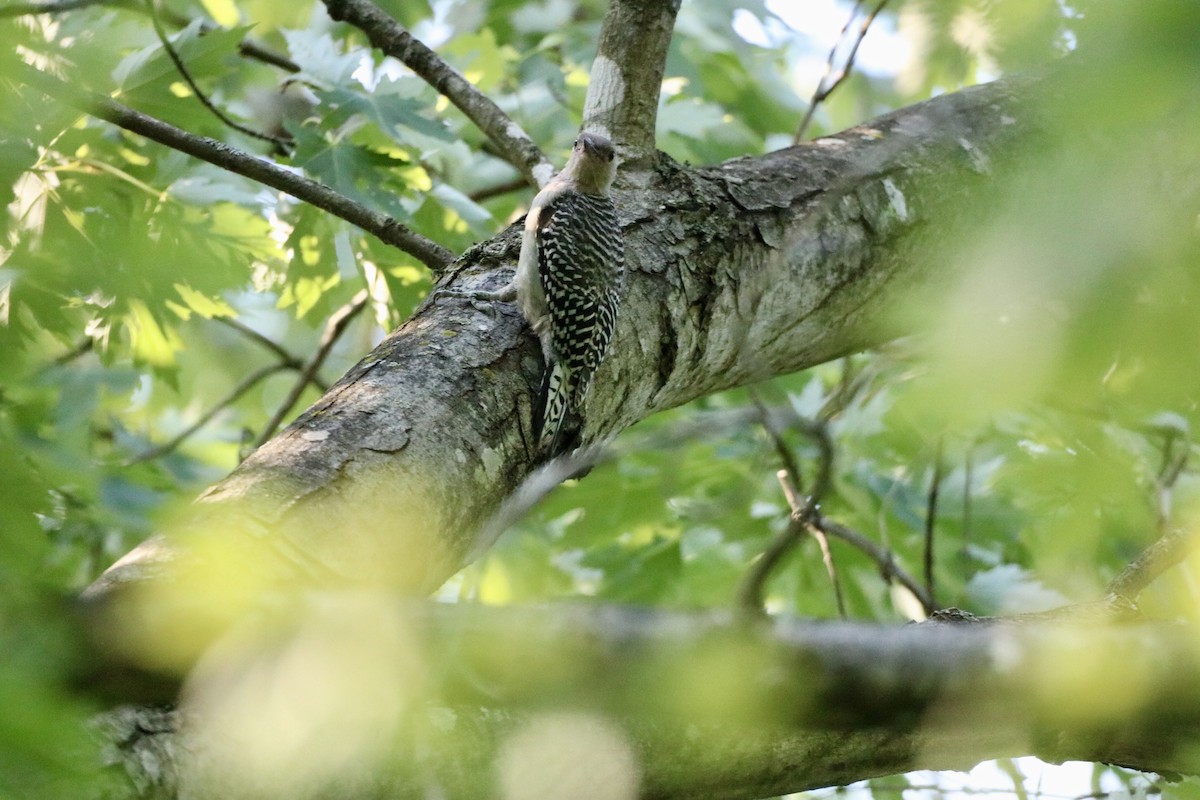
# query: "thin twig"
(786, 455)
(242, 387)
(388, 230)
(883, 558)
(181, 68)
(968, 483)
(804, 514)
(247, 47)
(387, 35)
(488, 192)
(750, 589)
(251, 49)
(286, 357)
(80, 348)
(825, 89)
(803, 511)
(335, 326)
(931, 504)
(1168, 551)
(1173, 544)
(850, 386)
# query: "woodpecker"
(569, 279)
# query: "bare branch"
(931, 504)
(80, 348)
(335, 326)
(236, 392)
(251, 49)
(811, 704)
(750, 589)
(804, 511)
(488, 192)
(286, 357)
(181, 68)
(286, 361)
(387, 229)
(1170, 549)
(884, 558)
(824, 88)
(1174, 543)
(386, 34)
(803, 514)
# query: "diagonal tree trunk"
(739, 272)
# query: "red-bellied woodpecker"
(569, 280)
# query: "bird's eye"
(576, 144)
(610, 156)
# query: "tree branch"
(488, 192)
(388, 230)
(804, 509)
(884, 558)
(824, 88)
(335, 326)
(809, 704)
(243, 386)
(931, 509)
(287, 358)
(1170, 549)
(385, 33)
(818, 244)
(199, 93)
(626, 79)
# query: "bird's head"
(593, 162)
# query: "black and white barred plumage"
(569, 280)
(580, 263)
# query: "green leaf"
(150, 71)
(387, 107)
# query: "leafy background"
(1051, 402)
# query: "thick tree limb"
(388, 230)
(764, 709)
(755, 268)
(385, 33)
(626, 79)
(751, 269)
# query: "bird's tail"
(556, 395)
